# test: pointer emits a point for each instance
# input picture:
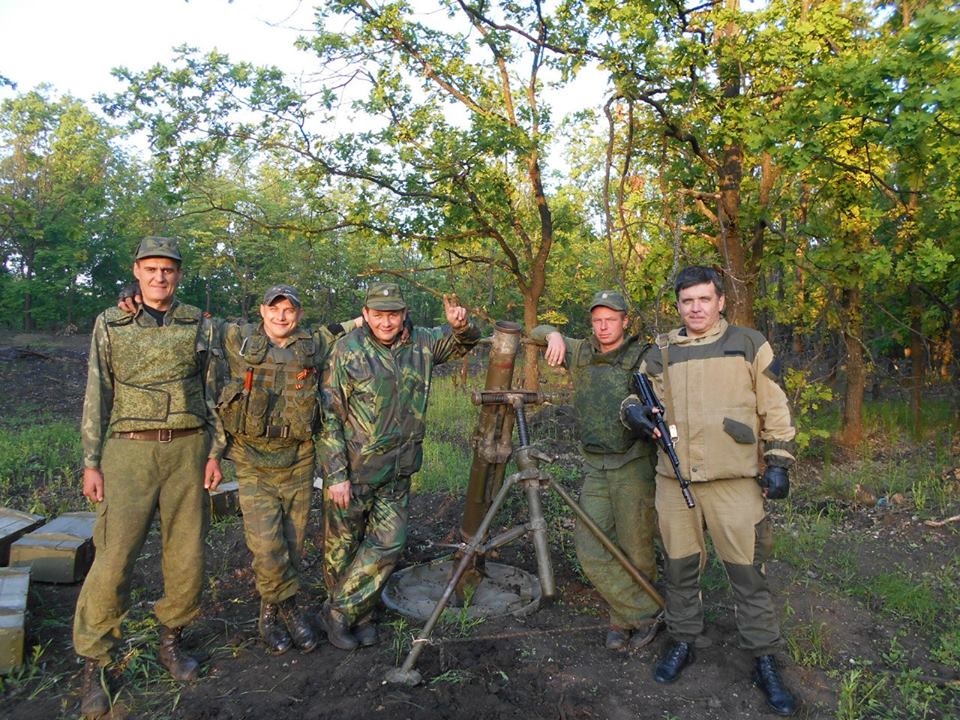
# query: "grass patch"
(39, 468)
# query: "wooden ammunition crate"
(14, 584)
(13, 524)
(225, 500)
(59, 552)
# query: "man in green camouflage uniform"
(719, 385)
(618, 487)
(270, 411)
(151, 442)
(375, 400)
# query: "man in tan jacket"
(722, 396)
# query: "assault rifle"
(649, 398)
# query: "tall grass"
(40, 467)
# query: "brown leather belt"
(163, 435)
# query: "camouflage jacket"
(375, 401)
(98, 403)
(274, 422)
(726, 402)
(600, 382)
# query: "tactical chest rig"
(273, 392)
(600, 382)
(156, 371)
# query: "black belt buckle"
(165, 435)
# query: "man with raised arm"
(375, 402)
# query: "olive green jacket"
(102, 375)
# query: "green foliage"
(807, 399)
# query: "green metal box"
(14, 584)
(59, 552)
(13, 524)
(225, 500)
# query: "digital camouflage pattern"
(275, 474)
(374, 405)
(143, 477)
(132, 361)
(618, 488)
(375, 402)
(600, 383)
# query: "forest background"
(811, 150)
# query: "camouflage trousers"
(141, 477)
(732, 512)
(362, 544)
(276, 506)
(621, 502)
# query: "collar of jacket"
(679, 336)
(170, 312)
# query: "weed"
(453, 676)
(400, 643)
(460, 622)
(807, 644)
(859, 694)
(948, 649)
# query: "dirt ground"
(550, 664)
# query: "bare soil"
(551, 664)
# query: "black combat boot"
(95, 702)
(302, 633)
(183, 667)
(272, 631)
(766, 676)
(365, 632)
(338, 629)
(677, 657)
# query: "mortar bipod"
(530, 476)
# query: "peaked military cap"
(287, 291)
(612, 299)
(155, 246)
(385, 296)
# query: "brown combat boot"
(303, 634)
(95, 702)
(272, 631)
(183, 667)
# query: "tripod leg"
(538, 527)
(632, 570)
(405, 674)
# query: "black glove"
(639, 419)
(775, 482)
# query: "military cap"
(385, 296)
(287, 291)
(155, 246)
(612, 299)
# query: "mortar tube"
(495, 423)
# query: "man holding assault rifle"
(722, 407)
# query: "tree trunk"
(916, 359)
(851, 432)
(531, 353)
